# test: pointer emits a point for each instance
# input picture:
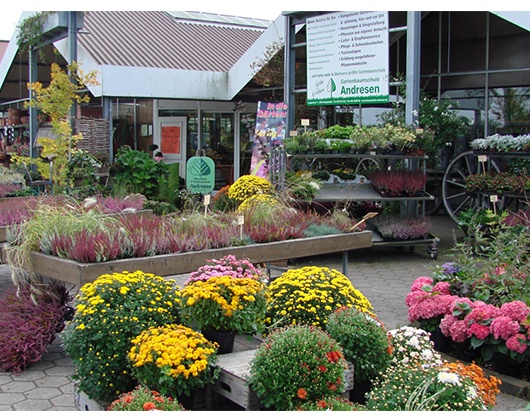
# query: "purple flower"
(450, 269)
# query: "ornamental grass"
(110, 312)
(224, 303)
(295, 365)
(308, 295)
(173, 359)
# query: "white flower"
(472, 393)
(415, 342)
(448, 378)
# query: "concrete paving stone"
(29, 375)
(19, 386)
(64, 400)
(42, 393)
(53, 381)
(52, 356)
(5, 378)
(32, 405)
(42, 365)
(9, 398)
(61, 371)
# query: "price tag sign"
(494, 198)
(240, 220)
(482, 158)
(207, 199)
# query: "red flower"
(149, 406)
(322, 368)
(332, 386)
(333, 356)
(322, 404)
(128, 399)
(302, 393)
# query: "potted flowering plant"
(228, 265)
(145, 399)
(297, 364)
(308, 295)
(224, 304)
(412, 387)
(247, 186)
(365, 343)
(331, 404)
(413, 346)
(109, 312)
(173, 359)
(363, 338)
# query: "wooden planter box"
(76, 273)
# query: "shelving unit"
(363, 192)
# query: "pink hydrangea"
(420, 282)
(515, 310)
(482, 313)
(479, 331)
(442, 287)
(459, 331)
(504, 327)
(517, 343)
(445, 324)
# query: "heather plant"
(402, 228)
(398, 182)
(297, 364)
(110, 312)
(29, 322)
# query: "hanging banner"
(347, 58)
(269, 133)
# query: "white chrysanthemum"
(415, 342)
(448, 378)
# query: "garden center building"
(200, 73)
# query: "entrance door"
(171, 140)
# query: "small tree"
(56, 100)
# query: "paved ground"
(383, 275)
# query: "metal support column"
(413, 68)
(289, 80)
(33, 123)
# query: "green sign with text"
(200, 175)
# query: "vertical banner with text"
(347, 58)
(269, 133)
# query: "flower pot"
(503, 364)
(441, 342)
(225, 339)
(359, 391)
(465, 353)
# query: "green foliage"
(363, 339)
(336, 132)
(297, 364)
(81, 175)
(144, 399)
(140, 172)
(110, 312)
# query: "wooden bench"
(233, 381)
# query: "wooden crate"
(233, 383)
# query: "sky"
(264, 9)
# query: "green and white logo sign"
(200, 175)
(347, 58)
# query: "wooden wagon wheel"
(367, 165)
(455, 198)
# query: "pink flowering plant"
(228, 265)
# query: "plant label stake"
(207, 199)
(482, 159)
(494, 199)
(240, 222)
(365, 218)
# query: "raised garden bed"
(76, 273)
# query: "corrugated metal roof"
(224, 19)
(156, 39)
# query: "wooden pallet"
(233, 381)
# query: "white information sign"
(347, 58)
